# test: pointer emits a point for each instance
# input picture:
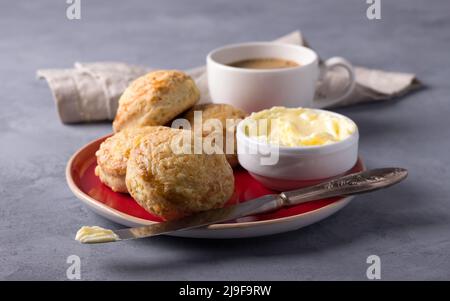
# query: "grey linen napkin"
(90, 91)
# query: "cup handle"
(331, 63)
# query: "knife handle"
(346, 185)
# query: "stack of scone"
(139, 158)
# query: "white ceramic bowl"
(296, 166)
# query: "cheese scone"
(172, 184)
(221, 112)
(155, 99)
(113, 154)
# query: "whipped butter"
(95, 234)
(298, 127)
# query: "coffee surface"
(264, 63)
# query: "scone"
(155, 99)
(222, 112)
(113, 154)
(171, 184)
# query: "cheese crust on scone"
(171, 184)
(155, 99)
(221, 112)
(112, 156)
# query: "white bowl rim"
(315, 149)
(210, 58)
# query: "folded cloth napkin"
(90, 91)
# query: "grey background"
(407, 226)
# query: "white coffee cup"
(257, 89)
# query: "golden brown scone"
(113, 154)
(155, 99)
(172, 185)
(221, 112)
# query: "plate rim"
(90, 201)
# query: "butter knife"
(346, 185)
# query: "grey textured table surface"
(408, 226)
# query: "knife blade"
(345, 185)
(196, 220)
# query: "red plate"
(122, 208)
